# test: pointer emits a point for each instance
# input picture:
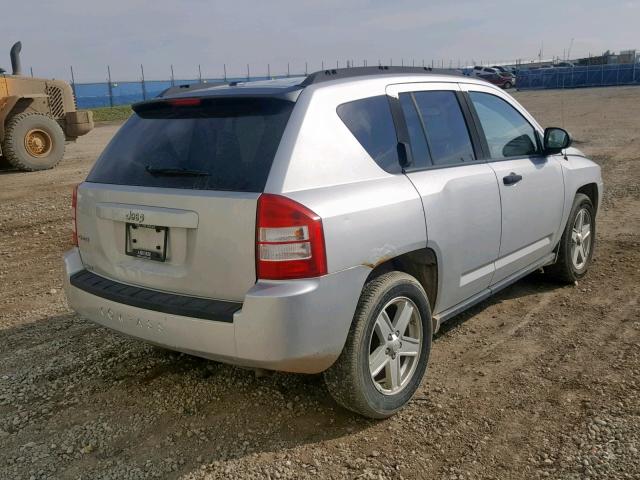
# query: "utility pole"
(110, 87)
(224, 67)
(73, 82)
(541, 51)
(569, 51)
(199, 74)
(144, 86)
(173, 81)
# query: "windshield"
(208, 144)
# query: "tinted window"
(220, 144)
(370, 121)
(445, 127)
(507, 132)
(419, 149)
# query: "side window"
(507, 132)
(370, 121)
(419, 149)
(445, 128)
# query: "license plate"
(147, 241)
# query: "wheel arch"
(591, 191)
(421, 264)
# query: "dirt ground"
(540, 381)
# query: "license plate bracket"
(146, 241)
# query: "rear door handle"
(511, 179)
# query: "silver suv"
(325, 224)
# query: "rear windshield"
(209, 144)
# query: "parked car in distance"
(501, 69)
(512, 71)
(494, 76)
(325, 224)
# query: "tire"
(33, 141)
(507, 85)
(571, 266)
(349, 379)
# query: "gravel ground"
(541, 381)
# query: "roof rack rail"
(339, 73)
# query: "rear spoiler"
(188, 88)
(209, 105)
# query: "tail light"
(74, 214)
(289, 240)
(185, 102)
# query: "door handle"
(511, 179)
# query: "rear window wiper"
(176, 171)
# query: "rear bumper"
(295, 326)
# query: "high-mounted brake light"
(289, 240)
(184, 102)
(74, 216)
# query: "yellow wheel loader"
(37, 117)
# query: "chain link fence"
(578, 76)
(543, 74)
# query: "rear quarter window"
(370, 121)
(218, 144)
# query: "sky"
(123, 34)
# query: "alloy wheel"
(581, 239)
(395, 345)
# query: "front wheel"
(577, 243)
(33, 142)
(387, 351)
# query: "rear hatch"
(171, 203)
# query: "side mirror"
(556, 140)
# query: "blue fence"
(574, 77)
(95, 95)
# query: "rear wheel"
(386, 353)
(577, 243)
(33, 142)
(507, 85)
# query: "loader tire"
(33, 141)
